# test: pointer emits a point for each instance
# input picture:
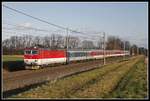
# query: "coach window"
(34, 52)
(70, 54)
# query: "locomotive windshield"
(31, 52)
(34, 51)
(28, 52)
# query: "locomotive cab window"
(27, 52)
(34, 52)
(31, 52)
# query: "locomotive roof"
(36, 48)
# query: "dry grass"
(134, 84)
(92, 84)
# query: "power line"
(37, 29)
(29, 28)
(81, 37)
(34, 17)
(58, 26)
(8, 30)
(42, 20)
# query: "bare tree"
(73, 42)
(53, 41)
(110, 44)
(59, 41)
(47, 41)
(114, 43)
(100, 44)
(87, 44)
(134, 49)
(127, 45)
(36, 40)
(15, 44)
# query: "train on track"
(35, 58)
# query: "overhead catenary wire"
(24, 28)
(29, 28)
(58, 26)
(34, 17)
(48, 31)
(10, 30)
(81, 37)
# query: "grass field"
(12, 58)
(12, 62)
(105, 82)
(134, 84)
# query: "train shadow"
(10, 93)
(13, 65)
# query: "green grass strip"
(134, 84)
(6, 58)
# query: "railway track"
(7, 75)
(21, 79)
(26, 72)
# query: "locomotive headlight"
(36, 60)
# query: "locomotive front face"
(31, 57)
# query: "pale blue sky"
(126, 20)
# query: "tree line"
(17, 44)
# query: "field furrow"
(105, 84)
(134, 84)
